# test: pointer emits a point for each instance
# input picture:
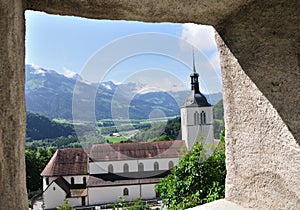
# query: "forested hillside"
(41, 127)
(218, 113)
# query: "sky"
(155, 54)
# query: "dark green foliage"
(160, 131)
(66, 206)
(219, 110)
(149, 134)
(136, 204)
(199, 178)
(172, 129)
(36, 160)
(67, 142)
(163, 137)
(218, 127)
(40, 127)
(218, 113)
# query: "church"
(105, 172)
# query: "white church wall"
(118, 166)
(187, 113)
(53, 196)
(75, 201)
(148, 191)
(101, 167)
(163, 163)
(192, 132)
(78, 179)
(99, 195)
(50, 179)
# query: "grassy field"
(113, 139)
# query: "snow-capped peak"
(69, 73)
(38, 70)
(109, 85)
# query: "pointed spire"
(195, 98)
(194, 68)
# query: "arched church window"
(196, 118)
(125, 192)
(110, 168)
(141, 167)
(125, 168)
(203, 117)
(156, 166)
(171, 165)
(72, 180)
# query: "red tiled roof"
(71, 161)
(78, 193)
(125, 151)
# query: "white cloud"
(68, 73)
(200, 36)
(214, 60)
(155, 80)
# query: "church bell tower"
(196, 115)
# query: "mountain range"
(51, 94)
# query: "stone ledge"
(221, 204)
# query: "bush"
(197, 179)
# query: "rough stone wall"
(261, 89)
(180, 11)
(264, 37)
(12, 106)
(262, 156)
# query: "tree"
(35, 163)
(136, 205)
(218, 115)
(199, 178)
(65, 206)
